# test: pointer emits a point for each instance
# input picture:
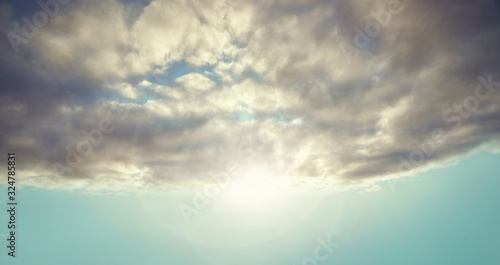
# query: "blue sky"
(444, 216)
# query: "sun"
(254, 188)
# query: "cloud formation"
(325, 95)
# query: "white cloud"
(195, 82)
(349, 119)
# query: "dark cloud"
(350, 119)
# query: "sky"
(445, 216)
(252, 132)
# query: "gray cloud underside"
(341, 120)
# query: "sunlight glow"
(254, 189)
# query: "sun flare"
(253, 189)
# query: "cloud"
(190, 86)
(195, 82)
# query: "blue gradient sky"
(445, 216)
